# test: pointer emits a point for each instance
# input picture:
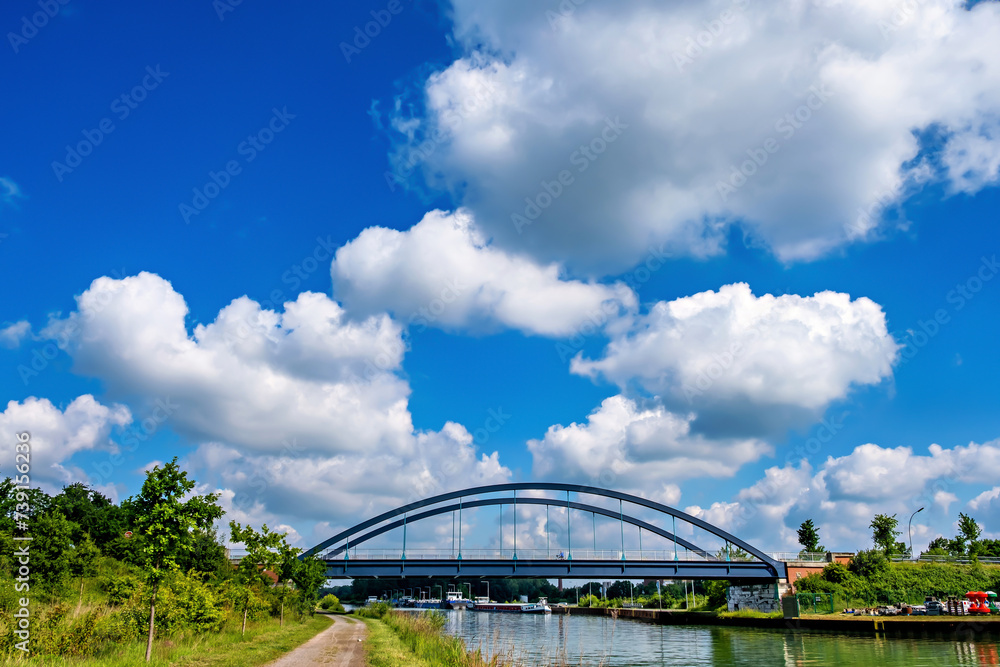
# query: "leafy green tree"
(263, 556)
(92, 512)
(309, 575)
(207, 555)
(809, 537)
(51, 548)
(968, 533)
(83, 562)
(163, 525)
(884, 533)
(868, 564)
(939, 546)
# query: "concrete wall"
(758, 598)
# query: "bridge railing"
(532, 554)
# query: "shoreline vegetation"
(148, 579)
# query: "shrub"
(869, 564)
(331, 603)
(187, 604)
(836, 573)
(376, 610)
(121, 588)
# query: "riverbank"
(416, 640)
(899, 626)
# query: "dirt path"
(338, 646)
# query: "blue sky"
(388, 181)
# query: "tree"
(884, 533)
(868, 564)
(968, 532)
(83, 562)
(309, 575)
(263, 555)
(809, 537)
(51, 548)
(163, 526)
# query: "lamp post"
(908, 533)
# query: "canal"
(558, 639)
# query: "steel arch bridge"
(343, 559)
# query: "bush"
(590, 601)
(331, 603)
(121, 588)
(869, 564)
(837, 573)
(188, 604)
(376, 610)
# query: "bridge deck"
(744, 571)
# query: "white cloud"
(253, 376)
(444, 273)
(842, 494)
(728, 354)
(12, 335)
(647, 447)
(702, 87)
(56, 435)
(301, 412)
(339, 491)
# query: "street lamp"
(908, 533)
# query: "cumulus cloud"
(444, 273)
(843, 493)
(300, 413)
(803, 122)
(12, 335)
(728, 354)
(56, 434)
(253, 376)
(340, 490)
(648, 448)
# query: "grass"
(749, 613)
(263, 642)
(384, 648)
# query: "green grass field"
(264, 641)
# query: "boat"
(540, 607)
(428, 603)
(456, 601)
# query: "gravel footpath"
(338, 646)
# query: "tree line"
(159, 546)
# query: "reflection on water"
(592, 641)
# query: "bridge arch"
(338, 545)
